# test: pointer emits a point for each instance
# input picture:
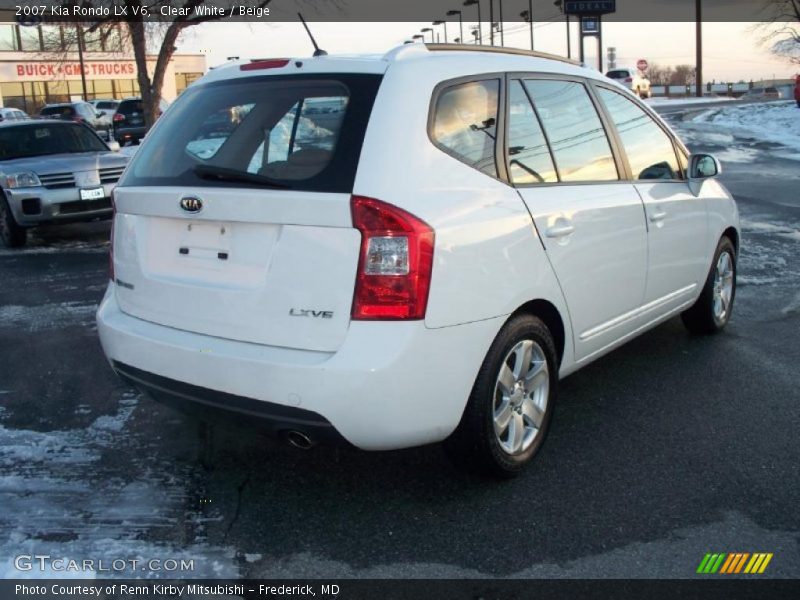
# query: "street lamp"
(560, 5)
(527, 16)
(418, 37)
(451, 13)
(445, 28)
(478, 4)
(502, 27)
(426, 30)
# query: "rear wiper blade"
(224, 174)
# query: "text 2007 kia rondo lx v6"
(410, 248)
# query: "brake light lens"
(118, 117)
(271, 63)
(629, 80)
(395, 265)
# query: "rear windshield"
(296, 132)
(129, 107)
(621, 74)
(59, 111)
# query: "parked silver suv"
(53, 172)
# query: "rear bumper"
(390, 385)
(214, 406)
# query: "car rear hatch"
(233, 219)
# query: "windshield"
(298, 132)
(47, 138)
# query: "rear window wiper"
(225, 174)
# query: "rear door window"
(465, 123)
(580, 146)
(529, 159)
(650, 151)
(299, 132)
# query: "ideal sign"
(32, 71)
(589, 7)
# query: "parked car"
(80, 112)
(13, 114)
(53, 172)
(763, 93)
(423, 264)
(108, 106)
(129, 125)
(633, 79)
(797, 90)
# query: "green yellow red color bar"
(734, 562)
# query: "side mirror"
(113, 145)
(703, 166)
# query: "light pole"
(426, 30)
(451, 13)
(699, 47)
(445, 28)
(417, 36)
(491, 22)
(560, 5)
(502, 27)
(478, 4)
(527, 15)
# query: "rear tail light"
(111, 245)
(118, 117)
(629, 80)
(394, 268)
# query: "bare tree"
(659, 74)
(145, 36)
(781, 29)
(683, 75)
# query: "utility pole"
(699, 47)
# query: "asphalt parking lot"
(671, 447)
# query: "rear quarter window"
(464, 123)
(302, 132)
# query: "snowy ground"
(775, 122)
(663, 101)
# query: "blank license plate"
(92, 194)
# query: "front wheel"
(11, 233)
(509, 409)
(713, 308)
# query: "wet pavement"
(668, 448)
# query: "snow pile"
(777, 122)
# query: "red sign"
(642, 65)
(30, 70)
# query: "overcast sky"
(731, 50)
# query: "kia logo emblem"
(191, 204)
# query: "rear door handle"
(558, 231)
(658, 216)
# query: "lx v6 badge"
(308, 312)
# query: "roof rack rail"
(501, 50)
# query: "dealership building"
(39, 65)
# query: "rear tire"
(13, 235)
(508, 412)
(712, 311)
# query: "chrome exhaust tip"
(300, 440)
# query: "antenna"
(317, 50)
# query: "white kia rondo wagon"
(396, 250)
